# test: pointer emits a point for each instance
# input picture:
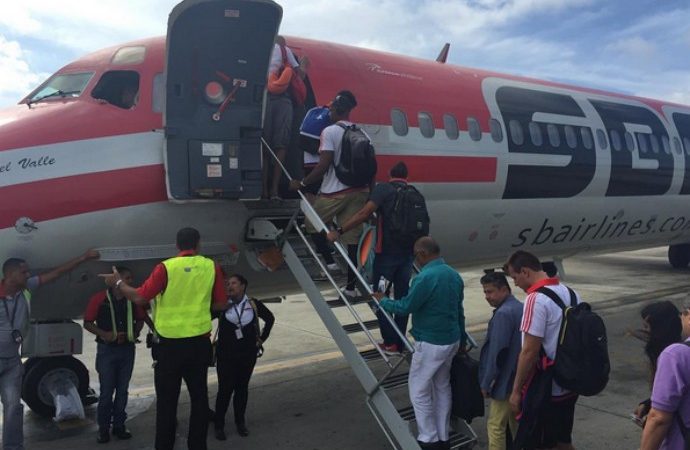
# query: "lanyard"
(7, 311)
(130, 330)
(239, 314)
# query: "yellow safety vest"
(184, 308)
(130, 328)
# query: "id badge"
(238, 333)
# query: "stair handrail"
(311, 215)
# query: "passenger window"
(158, 98)
(666, 144)
(587, 139)
(642, 142)
(399, 120)
(616, 140)
(601, 137)
(535, 134)
(450, 124)
(496, 130)
(119, 88)
(426, 125)
(554, 135)
(676, 145)
(629, 142)
(516, 134)
(570, 136)
(655, 143)
(686, 143)
(474, 129)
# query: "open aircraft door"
(217, 59)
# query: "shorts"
(341, 207)
(556, 422)
(278, 121)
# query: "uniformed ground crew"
(187, 284)
(15, 294)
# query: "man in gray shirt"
(15, 294)
(498, 358)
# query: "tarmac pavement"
(304, 396)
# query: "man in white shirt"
(336, 199)
(541, 324)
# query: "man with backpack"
(402, 218)
(347, 164)
(541, 325)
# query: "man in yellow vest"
(188, 284)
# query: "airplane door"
(217, 59)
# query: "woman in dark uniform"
(239, 342)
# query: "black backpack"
(467, 399)
(357, 164)
(409, 218)
(582, 358)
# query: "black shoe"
(220, 434)
(242, 430)
(103, 436)
(443, 445)
(429, 445)
(121, 432)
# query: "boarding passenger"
(661, 416)
(541, 323)
(393, 256)
(337, 199)
(279, 109)
(188, 284)
(438, 327)
(240, 341)
(498, 358)
(116, 323)
(16, 288)
(662, 327)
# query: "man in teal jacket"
(438, 327)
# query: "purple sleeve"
(671, 378)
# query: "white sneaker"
(352, 292)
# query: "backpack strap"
(573, 297)
(553, 296)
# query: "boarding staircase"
(383, 377)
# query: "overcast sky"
(640, 47)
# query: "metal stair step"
(457, 440)
(396, 381)
(370, 355)
(355, 327)
(353, 301)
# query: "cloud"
(16, 78)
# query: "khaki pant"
(500, 415)
(342, 207)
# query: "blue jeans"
(11, 371)
(396, 269)
(114, 364)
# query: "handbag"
(467, 399)
(259, 347)
(297, 88)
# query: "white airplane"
(504, 162)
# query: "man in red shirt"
(116, 323)
(185, 287)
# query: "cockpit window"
(129, 55)
(61, 86)
(118, 87)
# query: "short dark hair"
(522, 259)
(243, 281)
(399, 170)
(498, 279)
(188, 238)
(344, 101)
(11, 264)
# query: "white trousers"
(429, 385)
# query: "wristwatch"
(301, 183)
(118, 283)
(339, 230)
